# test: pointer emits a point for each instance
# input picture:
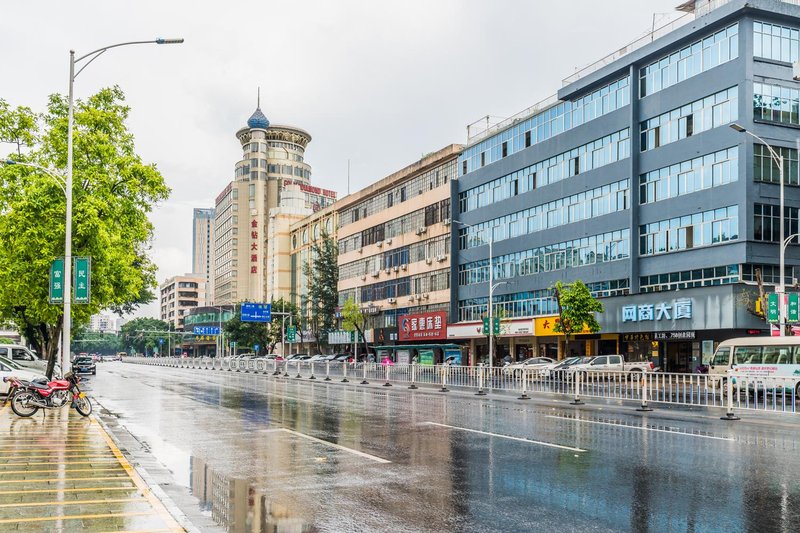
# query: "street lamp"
(492, 287)
(781, 289)
(66, 364)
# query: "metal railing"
(728, 391)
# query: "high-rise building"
(179, 295)
(104, 323)
(203, 247)
(632, 180)
(271, 186)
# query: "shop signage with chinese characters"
(634, 337)
(674, 335)
(678, 309)
(423, 326)
(543, 327)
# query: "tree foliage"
(267, 336)
(576, 309)
(6, 340)
(322, 273)
(113, 191)
(353, 319)
(142, 334)
(96, 342)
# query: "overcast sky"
(376, 82)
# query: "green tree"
(91, 341)
(277, 328)
(6, 340)
(576, 311)
(113, 191)
(353, 319)
(322, 273)
(142, 334)
(247, 334)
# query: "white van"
(756, 360)
(23, 357)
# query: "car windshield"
(10, 363)
(82, 360)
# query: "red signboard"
(423, 326)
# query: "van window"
(747, 355)
(614, 360)
(600, 361)
(777, 355)
(722, 357)
(19, 354)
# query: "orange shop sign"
(543, 327)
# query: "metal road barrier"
(732, 391)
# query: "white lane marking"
(671, 432)
(521, 439)
(329, 444)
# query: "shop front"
(678, 331)
(581, 344)
(418, 337)
(516, 340)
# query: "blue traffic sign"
(206, 330)
(253, 312)
(256, 347)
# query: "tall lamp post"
(492, 287)
(66, 364)
(781, 288)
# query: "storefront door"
(679, 356)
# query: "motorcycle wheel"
(83, 406)
(20, 404)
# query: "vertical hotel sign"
(254, 246)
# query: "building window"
(774, 103)
(691, 60)
(316, 231)
(710, 112)
(766, 222)
(690, 231)
(766, 169)
(700, 277)
(779, 43)
(305, 236)
(700, 173)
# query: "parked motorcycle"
(27, 397)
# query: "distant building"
(203, 247)
(104, 323)
(271, 185)
(179, 295)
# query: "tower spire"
(258, 100)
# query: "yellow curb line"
(58, 480)
(97, 460)
(172, 524)
(4, 472)
(56, 489)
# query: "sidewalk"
(62, 472)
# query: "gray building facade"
(633, 181)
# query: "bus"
(766, 363)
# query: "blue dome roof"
(258, 120)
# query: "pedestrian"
(387, 361)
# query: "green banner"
(773, 307)
(426, 357)
(82, 280)
(794, 303)
(57, 281)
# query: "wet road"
(280, 454)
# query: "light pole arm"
(97, 53)
(59, 179)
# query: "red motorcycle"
(27, 397)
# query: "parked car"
(23, 357)
(84, 365)
(529, 366)
(559, 366)
(612, 363)
(318, 357)
(10, 368)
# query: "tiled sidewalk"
(62, 472)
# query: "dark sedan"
(84, 365)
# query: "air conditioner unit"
(396, 269)
(446, 221)
(388, 270)
(411, 297)
(361, 250)
(428, 260)
(441, 258)
(364, 278)
(379, 244)
(388, 241)
(403, 267)
(392, 300)
(426, 296)
(376, 273)
(421, 230)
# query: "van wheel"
(636, 373)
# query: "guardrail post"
(524, 395)
(387, 384)
(344, 371)
(312, 371)
(364, 380)
(576, 383)
(413, 376)
(444, 379)
(286, 368)
(644, 407)
(327, 370)
(298, 376)
(275, 370)
(729, 415)
(480, 392)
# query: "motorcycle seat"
(35, 385)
